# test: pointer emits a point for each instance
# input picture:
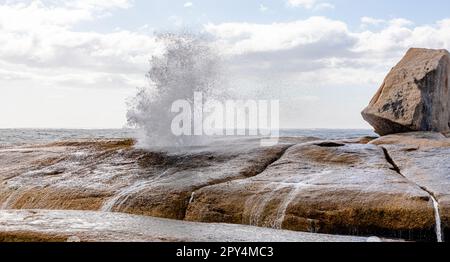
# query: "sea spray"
(189, 64)
(189, 103)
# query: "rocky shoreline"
(89, 226)
(361, 187)
(393, 186)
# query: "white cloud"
(372, 21)
(324, 57)
(240, 38)
(396, 22)
(400, 22)
(98, 4)
(316, 5)
(320, 37)
(42, 46)
(263, 8)
(43, 49)
(308, 4)
(52, 75)
(188, 4)
(38, 14)
(323, 6)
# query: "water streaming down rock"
(119, 199)
(14, 197)
(437, 216)
(189, 64)
(439, 234)
(257, 204)
(9, 201)
(122, 196)
(281, 212)
(282, 209)
(192, 198)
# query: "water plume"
(189, 64)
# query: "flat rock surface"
(342, 187)
(86, 226)
(414, 140)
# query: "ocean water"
(40, 136)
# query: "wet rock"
(414, 140)
(414, 96)
(114, 176)
(323, 187)
(424, 158)
(344, 187)
(86, 226)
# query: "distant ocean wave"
(39, 136)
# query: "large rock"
(114, 176)
(414, 96)
(323, 187)
(302, 184)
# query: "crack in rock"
(437, 217)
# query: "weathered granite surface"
(113, 176)
(323, 187)
(424, 158)
(346, 187)
(415, 96)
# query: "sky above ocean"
(74, 64)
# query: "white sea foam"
(189, 64)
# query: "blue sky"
(156, 13)
(74, 63)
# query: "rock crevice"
(435, 202)
(345, 189)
